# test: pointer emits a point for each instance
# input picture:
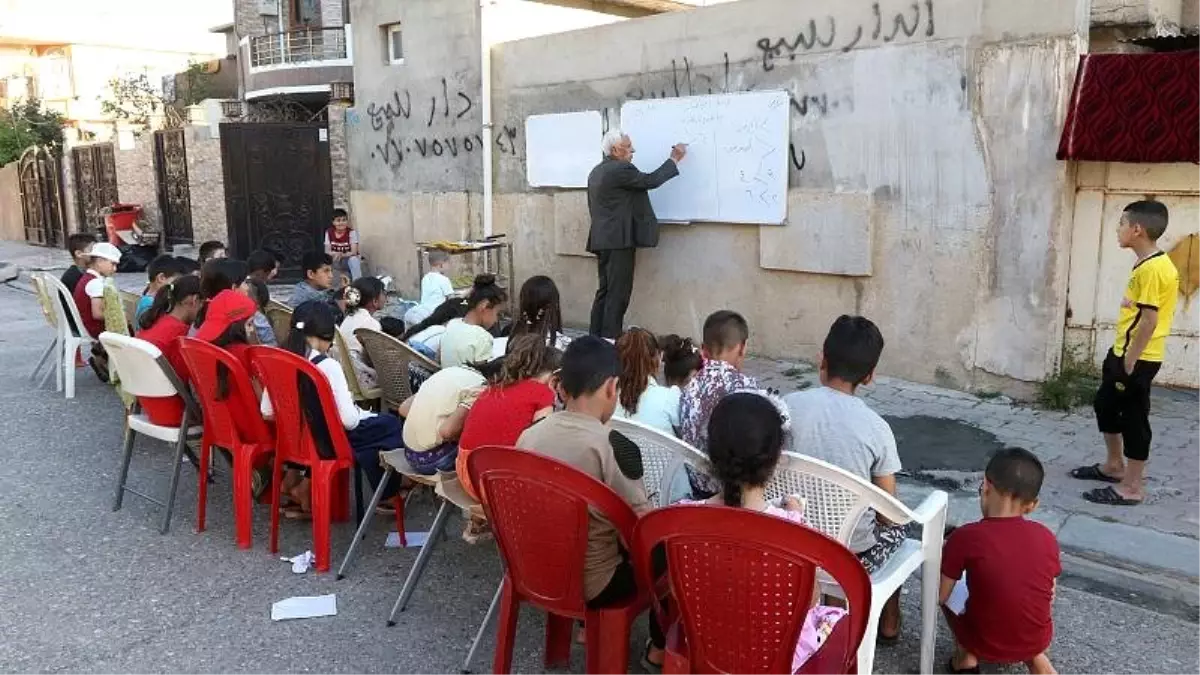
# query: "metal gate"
(278, 189)
(95, 184)
(171, 179)
(41, 197)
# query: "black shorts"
(1123, 403)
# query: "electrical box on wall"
(268, 8)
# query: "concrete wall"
(12, 219)
(1100, 269)
(932, 135)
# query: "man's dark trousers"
(612, 297)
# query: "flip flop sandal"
(961, 671)
(1110, 497)
(1092, 472)
(647, 666)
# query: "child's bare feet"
(1041, 665)
(963, 661)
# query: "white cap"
(105, 250)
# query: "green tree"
(131, 98)
(198, 81)
(27, 124)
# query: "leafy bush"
(27, 124)
(1072, 386)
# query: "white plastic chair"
(663, 458)
(71, 340)
(144, 371)
(52, 352)
(836, 500)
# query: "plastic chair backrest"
(539, 509)
(223, 426)
(66, 308)
(143, 369)
(391, 358)
(280, 316)
(663, 458)
(116, 320)
(129, 303)
(836, 498)
(45, 299)
(741, 583)
(342, 353)
(280, 372)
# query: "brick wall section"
(206, 181)
(135, 178)
(339, 162)
(331, 13)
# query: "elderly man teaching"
(622, 222)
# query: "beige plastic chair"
(663, 458)
(835, 501)
(342, 353)
(144, 371)
(280, 316)
(391, 359)
(70, 340)
(52, 352)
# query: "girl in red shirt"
(168, 319)
(518, 397)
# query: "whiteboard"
(562, 149)
(736, 168)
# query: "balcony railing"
(298, 47)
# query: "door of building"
(171, 181)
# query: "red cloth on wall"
(1134, 108)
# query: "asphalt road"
(87, 589)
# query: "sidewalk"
(944, 437)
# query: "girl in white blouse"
(641, 397)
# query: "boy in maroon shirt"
(1011, 564)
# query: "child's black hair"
(1016, 472)
(314, 260)
(208, 248)
(452, 308)
(852, 349)
(168, 297)
(187, 265)
(340, 213)
(540, 309)
(312, 319)
(79, 241)
(725, 329)
(362, 292)
(260, 293)
(485, 290)
(1150, 215)
(165, 264)
(262, 260)
(219, 274)
(587, 364)
(745, 441)
(681, 358)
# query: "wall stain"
(1186, 256)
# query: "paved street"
(86, 589)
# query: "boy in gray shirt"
(831, 424)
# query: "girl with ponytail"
(641, 398)
(169, 318)
(364, 297)
(469, 340)
(746, 436)
(540, 312)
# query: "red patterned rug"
(1134, 108)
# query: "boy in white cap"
(89, 299)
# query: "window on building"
(306, 13)
(394, 44)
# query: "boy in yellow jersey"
(1123, 401)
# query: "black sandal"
(961, 671)
(1092, 472)
(1109, 497)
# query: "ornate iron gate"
(278, 189)
(41, 197)
(171, 178)
(95, 183)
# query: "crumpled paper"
(302, 562)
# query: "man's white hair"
(613, 137)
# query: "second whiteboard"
(561, 149)
(736, 168)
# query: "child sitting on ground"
(363, 298)
(540, 312)
(311, 336)
(1011, 565)
(435, 288)
(468, 340)
(161, 271)
(341, 245)
(832, 424)
(725, 337)
(89, 300)
(642, 398)
(746, 437)
(512, 402)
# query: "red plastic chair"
(539, 511)
(280, 372)
(232, 422)
(740, 583)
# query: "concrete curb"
(8, 272)
(1097, 549)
